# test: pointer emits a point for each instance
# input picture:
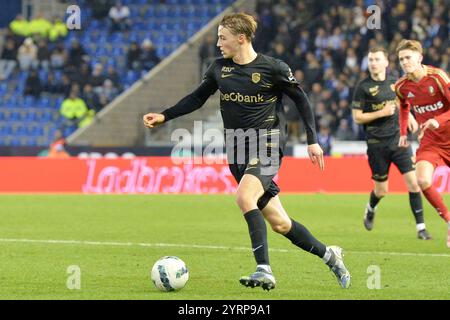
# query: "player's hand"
(389, 108)
(413, 126)
(315, 153)
(403, 142)
(152, 120)
(431, 124)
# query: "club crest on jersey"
(256, 77)
(374, 90)
(431, 90)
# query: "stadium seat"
(5, 129)
(30, 115)
(31, 141)
(167, 24)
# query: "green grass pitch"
(115, 240)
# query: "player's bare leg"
(379, 191)
(281, 223)
(249, 191)
(424, 172)
(415, 201)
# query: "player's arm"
(361, 117)
(413, 126)
(403, 119)
(305, 109)
(186, 105)
(443, 82)
(287, 83)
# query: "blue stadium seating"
(167, 25)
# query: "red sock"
(435, 199)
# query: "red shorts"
(434, 154)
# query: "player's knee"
(423, 182)
(245, 202)
(413, 186)
(380, 192)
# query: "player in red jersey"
(425, 90)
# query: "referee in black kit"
(251, 86)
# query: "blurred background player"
(251, 87)
(375, 106)
(425, 90)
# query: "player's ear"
(241, 38)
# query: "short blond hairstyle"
(409, 45)
(240, 23)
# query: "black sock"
(258, 235)
(373, 200)
(302, 238)
(415, 200)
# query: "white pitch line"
(197, 246)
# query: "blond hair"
(409, 45)
(240, 23)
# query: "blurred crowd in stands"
(326, 47)
(38, 48)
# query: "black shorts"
(263, 165)
(380, 159)
(271, 189)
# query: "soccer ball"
(169, 274)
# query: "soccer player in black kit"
(374, 105)
(251, 86)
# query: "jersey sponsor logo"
(256, 77)
(227, 69)
(226, 75)
(429, 108)
(237, 97)
(410, 95)
(374, 90)
(379, 106)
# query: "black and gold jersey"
(250, 95)
(371, 96)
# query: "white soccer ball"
(170, 274)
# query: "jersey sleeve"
(286, 82)
(196, 99)
(443, 82)
(358, 98)
(404, 111)
(283, 75)
(210, 73)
